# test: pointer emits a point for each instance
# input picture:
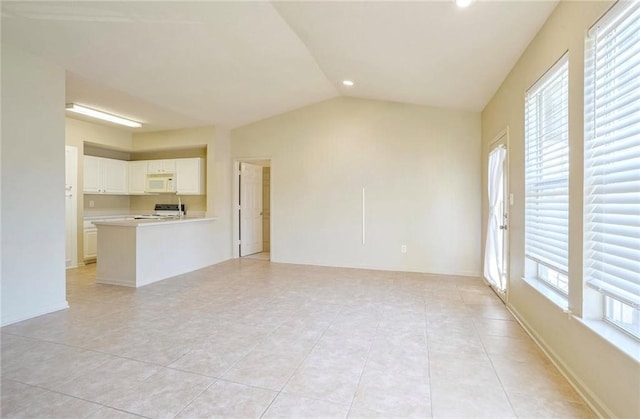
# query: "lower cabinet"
(90, 236)
(90, 242)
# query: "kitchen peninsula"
(136, 252)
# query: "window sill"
(548, 293)
(617, 338)
(625, 343)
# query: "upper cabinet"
(167, 166)
(119, 177)
(190, 176)
(114, 176)
(92, 174)
(137, 177)
(105, 176)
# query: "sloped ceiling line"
(175, 64)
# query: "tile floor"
(260, 256)
(249, 338)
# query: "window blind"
(547, 169)
(612, 155)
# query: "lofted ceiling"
(180, 64)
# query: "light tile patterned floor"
(249, 338)
(260, 256)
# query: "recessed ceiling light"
(347, 83)
(463, 3)
(74, 107)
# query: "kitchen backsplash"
(196, 205)
(146, 203)
(106, 202)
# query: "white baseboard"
(592, 400)
(122, 283)
(473, 274)
(26, 316)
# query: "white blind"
(612, 155)
(547, 169)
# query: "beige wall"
(32, 166)
(219, 182)
(173, 139)
(106, 203)
(144, 204)
(608, 378)
(92, 150)
(420, 167)
(79, 132)
(198, 151)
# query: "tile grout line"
(426, 337)
(75, 397)
(195, 397)
(297, 368)
(365, 364)
(493, 367)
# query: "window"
(547, 178)
(612, 164)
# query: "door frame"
(235, 187)
(502, 138)
(74, 206)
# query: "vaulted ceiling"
(179, 64)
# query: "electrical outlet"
(403, 248)
(92, 204)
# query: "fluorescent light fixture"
(73, 107)
(347, 83)
(463, 3)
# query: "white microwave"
(161, 183)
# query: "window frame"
(558, 72)
(597, 289)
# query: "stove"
(163, 211)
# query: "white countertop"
(107, 217)
(130, 222)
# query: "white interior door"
(495, 257)
(250, 209)
(71, 206)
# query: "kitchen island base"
(134, 253)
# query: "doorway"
(496, 246)
(71, 206)
(252, 213)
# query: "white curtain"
(493, 255)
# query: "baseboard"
(574, 380)
(27, 316)
(471, 274)
(123, 283)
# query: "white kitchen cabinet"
(137, 177)
(90, 242)
(90, 236)
(92, 174)
(161, 166)
(105, 176)
(190, 176)
(114, 176)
